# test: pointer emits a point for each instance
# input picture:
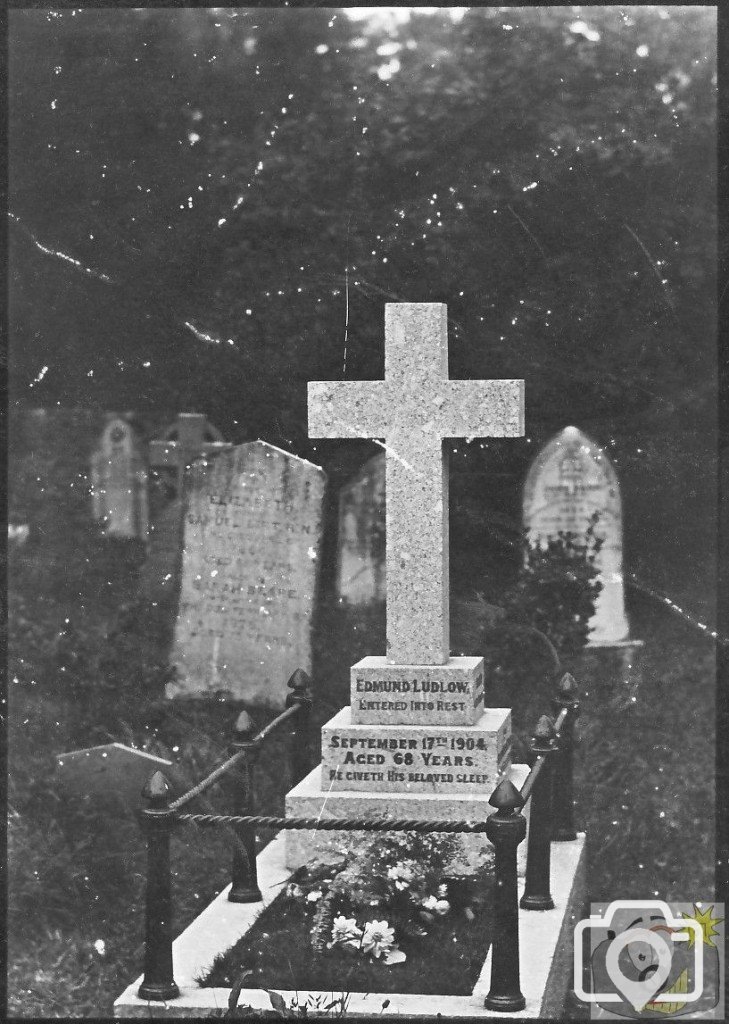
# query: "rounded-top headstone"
(569, 481)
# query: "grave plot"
(442, 763)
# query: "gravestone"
(571, 479)
(418, 740)
(361, 535)
(188, 438)
(249, 573)
(110, 776)
(119, 482)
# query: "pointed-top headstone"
(571, 479)
(119, 482)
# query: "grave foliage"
(386, 917)
(556, 589)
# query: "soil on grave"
(277, 950)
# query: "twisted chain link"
(335, 824)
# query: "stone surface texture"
(451, 694)
(310, 799)
(249, 574)
(419, 759)
(569, 480)
(413, 409)
(361, 535)
(119, 482)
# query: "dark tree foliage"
(237, 185)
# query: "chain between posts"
(333, 824)
(233, 761)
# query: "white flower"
(344, 929)
(401, 874)
(442, 891)
(314, 895)
(435, 905)
(100, 947)
(294, 891)
(378, 938)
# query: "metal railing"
(549, 786)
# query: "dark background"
(204, 202)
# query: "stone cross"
(414, 409)
(189, 438)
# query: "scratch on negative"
(386, 447)
(324, 802)
(398, 458)
(57, 252)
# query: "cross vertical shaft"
(414, 409)
(417, 557)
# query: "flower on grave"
(294, 891)
(314, 896)
(100, 947)
(402, 874)
(378, 938)
(442, 891)
(345, 929)
(436, 906)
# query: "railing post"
(300, 686)
(537, 894)
(563, 828)
(506, 829)
(158, 821)
(244, 872)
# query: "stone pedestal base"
(417, 759)
(309, 800)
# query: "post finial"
(544, 735)
(300, 686)
(243, 726)
(157, 790)
(506, 797)
(567, 688)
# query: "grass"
(278, 953)
(644, 772)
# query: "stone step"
(385, 694)
(417, 758)
(309, 799)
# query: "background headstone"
(361, 535)
(249, 572)
(571, 479)
(111, 775)
(119, 482)
(188, 438)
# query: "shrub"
(556, 589)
